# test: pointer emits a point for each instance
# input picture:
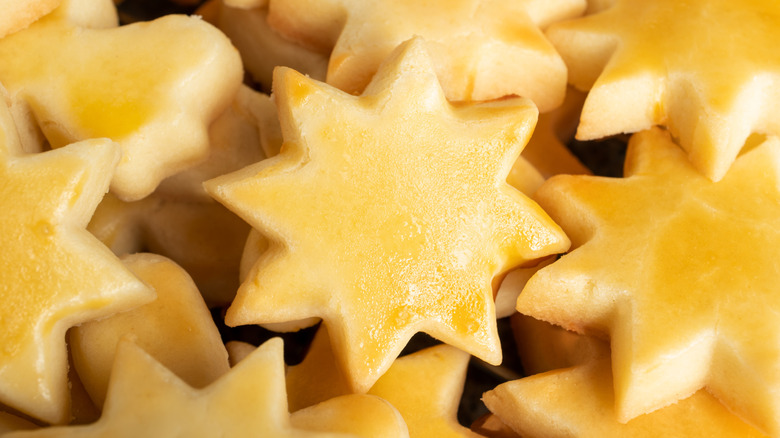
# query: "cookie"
(480, 50)
(367, 204)
(705, 70)
(678, 271)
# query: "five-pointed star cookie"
(482, 49)
(681, 273)
(579, 402)
(176, 329)
(390, 214)
(152, 87)
(54, 273)
(706, 69)
(146, 399)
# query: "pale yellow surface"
(426, 387)
(180, 221)
(204, 238)
(546, 150)
(364, 415)
(261, 47)
(320, 399)
(318, 377)
(234, 143)
(482, 49)
(706, 69)
(545, 347)
(146, 399)
(54, 273)
(681, 272)
(176, 329)
(578, 402)
(18, 14)
(389, 213)
(153, 87)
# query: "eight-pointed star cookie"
(706, 69)
(679, 271)
(579, 402)
(389, 213)
(54, 273)
(481, 49)
(153, 87)
(146, 399)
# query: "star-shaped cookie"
(706, 69)
(147, 399)
(176, 329)
(261, 47)
(152, 87)
(679, 271)
(390, 214)
(54, 273)
(320, 404)
(424, 386)
(579, 402)
(481, 49)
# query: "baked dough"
(708, 70)
(158, 108)
(381, 225)
(578, 402)
(679, 271)
(481, 49)
(176, 329)
(47, 200)
(147, 399)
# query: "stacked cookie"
(378, 192)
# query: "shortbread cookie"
(707, 70)
(261, 47)
(511, 286)
(318, 377)
(363, 415)
(82, 408)
(546, 150)
(425, 386)
(335, 409)
(578, 402)
(545, 347)
(176, 328)
(18, 14)
(679, 271)
(481, 50)
(47, 200)
(156, 107)
(234, 143)
(146, 399)
(381, 225)
(204, 238)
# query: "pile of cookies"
(351, 170)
